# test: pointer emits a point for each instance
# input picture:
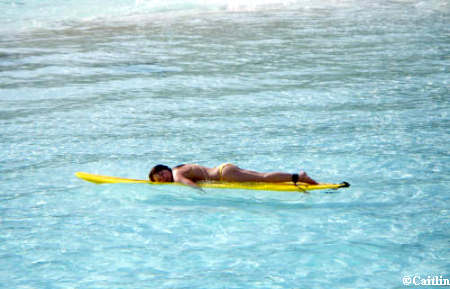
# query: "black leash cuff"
(295, 178)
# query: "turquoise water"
(346, 90)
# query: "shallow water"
(345, 90)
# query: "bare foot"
(303, 177)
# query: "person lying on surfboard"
(189, 174)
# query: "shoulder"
(182, 168)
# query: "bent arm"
(180, 178)
(182, 175)
(186, 181)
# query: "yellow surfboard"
(287, 187)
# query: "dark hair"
(156, 169)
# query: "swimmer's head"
(161, 173)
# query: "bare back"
(194, 173)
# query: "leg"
(232, 173)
